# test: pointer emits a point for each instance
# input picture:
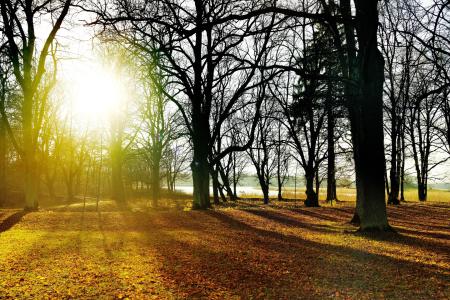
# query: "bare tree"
(397, 50)
(73, 154)
(29, 66)
(157, 120)
(424, 139)
(175, 161)
(362, 69)
(52, 137)
(262, 153)
(282, 158)
(5, 94)
(213, 48)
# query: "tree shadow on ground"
(315, 214)
(12, 220)
(403, 236)
(386, 237)
(435, 235)
(223, 242)
(417, 240)
(289, 221)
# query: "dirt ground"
(239, 251)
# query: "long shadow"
(348, 252)
(406, 240)
(416, 224)
(417, 218)
(435, 235)
(418, 211)
(397, 238)
(207, 263)
(12, 220)
(285, 220)
(315, 214)
(203, 265)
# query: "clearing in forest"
(244, 251)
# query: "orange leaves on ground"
(281, 251)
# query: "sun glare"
(96, 93)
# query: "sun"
(96, 93)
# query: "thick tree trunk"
(3, 187)
(311, 196)
(349, 67)
(200, 176)
(266, 194)
(368, 135)
(31, 170)
(265, 190)
(395, 189)
(200, 165)
(263, 183)
(422, 191)
(200, 121)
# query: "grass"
(241, 250)
(349, 194)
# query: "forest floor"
(239, 251)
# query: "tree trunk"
(200, 176)
(386, 180)
(50, 183)
(264, 189)
(200, 165)
(393, 174)
(235, 196)
(422, 191)
(402, 168)
(395, 188)
(200, 121)
(280, 188)
(215, 182)
(367, 118)
(222, 194)
(331, 170)
(311, 195)
(155, 184)
(3, 187)
(69, 189)
(279, 180)
(226, 182)
(317, 182)
(117, 187)
(31, 170)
